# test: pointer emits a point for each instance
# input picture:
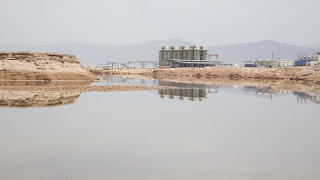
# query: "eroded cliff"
(42, 66)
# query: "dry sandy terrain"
(17, 66)
(306, 73)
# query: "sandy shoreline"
(309, 74)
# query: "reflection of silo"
(202, 93)
(191, 94)
(203, 53)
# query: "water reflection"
(108, 80)
(183, 94)
(199, 92)
(36, 99)
(189, 91)
(304, 97)
(186, 91)
(137, 135)
(40, 98)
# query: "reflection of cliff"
(182, 94)
(36, 99)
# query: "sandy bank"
(306, 73)
(20, 66)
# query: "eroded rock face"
(42, 66)
(36, 99)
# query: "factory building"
(192, 53)
(310, 60)
(272, 63)
(267, 63)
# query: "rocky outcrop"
(42, 66)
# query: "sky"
(208, 22)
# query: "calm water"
(195, 132)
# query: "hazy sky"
(209, 22)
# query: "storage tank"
(195, 53)
(164, 54)
(175, 52)
(183, 52)
(203, 53)
(187, 53)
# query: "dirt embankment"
(31, 66)
(310, 74)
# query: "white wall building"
(238, 65)
(312, 63)
(285, 62)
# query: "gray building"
(193, 53)
(267, 63)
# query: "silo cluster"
(182, 53)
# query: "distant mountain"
(317, 46)
(90, 54)
(94, 53)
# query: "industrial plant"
(193, 56)
(198, 56)
(304, 59)
(183, 53)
